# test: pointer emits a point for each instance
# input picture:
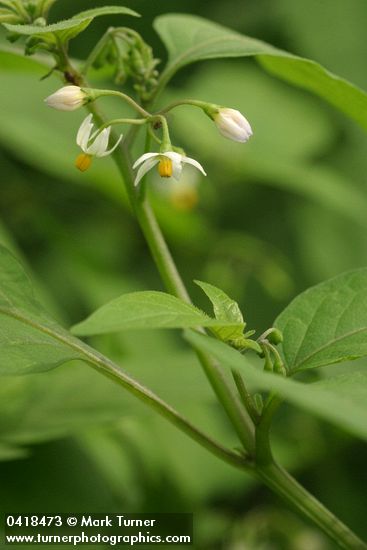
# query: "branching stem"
(255, 441)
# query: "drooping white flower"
(232, 124)
(92, 145)
(170, 164)
(68, 98)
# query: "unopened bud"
(68, 98)
(275, 336)
(232, 124)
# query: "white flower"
(232, 124)
(68, 98)
(92, 145)
(169, 164)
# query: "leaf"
(105, 10)
(144, 310)
(226, 310)
(30, 341)
(37, 408)
(69, 28)
(341, 400)
(327, 323)
(189, 39)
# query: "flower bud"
(232, 124)
(68, 98)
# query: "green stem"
(263, 449)
(95, 52)
(156, 138)
(174, 104)
(245, 396)
(166, 140)
(284, 485)
(174, 284)
(277, 479)
(23, 11)
(117, 121)
(111, 370)
(96, 94)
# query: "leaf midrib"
(181, 59)
(330, 343)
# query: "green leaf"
(30, 341)
(226, 310)
(56, 404)
(189, 39)
(105, 10)
(69, 28)
(341, 400)
(144, 310)
(327, 323)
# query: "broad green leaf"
(144, 310)
(30, 341)
(69, 28)
(341, 400)
(189, 39)
(39, 408)
(326, 324)
(226, 310)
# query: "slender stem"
(263, 449)
(164, 78)
(174, 284)
(277, 479)
(96, 93)
(22, 10)
(111, 370)
(174, 104)
(156, 138)
(245, 396)
(166, 140)
(117, 121)
(283, 484)
(95, 52)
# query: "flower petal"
(195, 163)
(84, 132)
(148, 165)
(143, 158)
(106, 153)
(176, 160)
(100, 144)
(176, 170)
(174, 157)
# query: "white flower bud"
(232, 124)
(68, 98)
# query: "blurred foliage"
(273, 217)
